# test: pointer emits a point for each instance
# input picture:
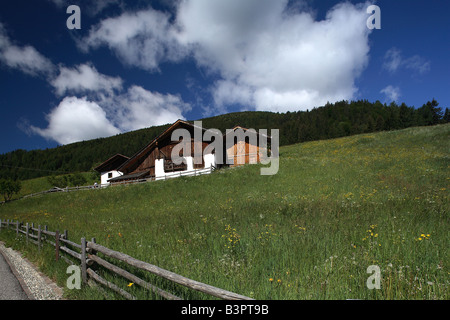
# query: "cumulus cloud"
(26, 58)
(76, 119)
(274, 59)
(83, 78)
(262, 54)
(139, 108)
(392, 93)
(266, 54)
(143, 39)
(394, 61)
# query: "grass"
(42, 184)
(309, 232)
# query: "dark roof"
(179, 123)
(227, 132)
(152, 144)
(112, 163)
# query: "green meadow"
(334, 208)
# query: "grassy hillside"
(340, 119)
(309, 232)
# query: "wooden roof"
(179, 123)
(245, 129)
(112, 163)
(129, 163)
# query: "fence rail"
(86, 253)
(169, 175)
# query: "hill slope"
(309, 232)
(330, 121)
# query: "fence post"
(17, 228)
(93, 252)
(0, 224)
(28, 229)
(83, 260)
(57, 244)
(39, 238)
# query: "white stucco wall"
(189, 163)
(104, 176)
(210, 160)
(159, 168)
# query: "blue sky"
(134, 64)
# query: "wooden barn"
(237, 146)
(245, 147)
(154, 160)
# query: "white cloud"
(394, 61)
(267, 54)
(76, 119)
(275, 60)
(26, 59)
(105, 108)
(142, 39)
(418, 64)
(139, 108)
(84, 78)
(392, 93)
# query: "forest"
(333, 120)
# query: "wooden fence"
(85, 253)
(195, 172)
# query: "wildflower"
(279, 280)
(120, 235)
(270, 279)
(130, 284)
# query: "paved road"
(10, 288)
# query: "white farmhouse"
(108, 169)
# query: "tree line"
(333, 120)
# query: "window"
(109, 175)
(169, 166)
